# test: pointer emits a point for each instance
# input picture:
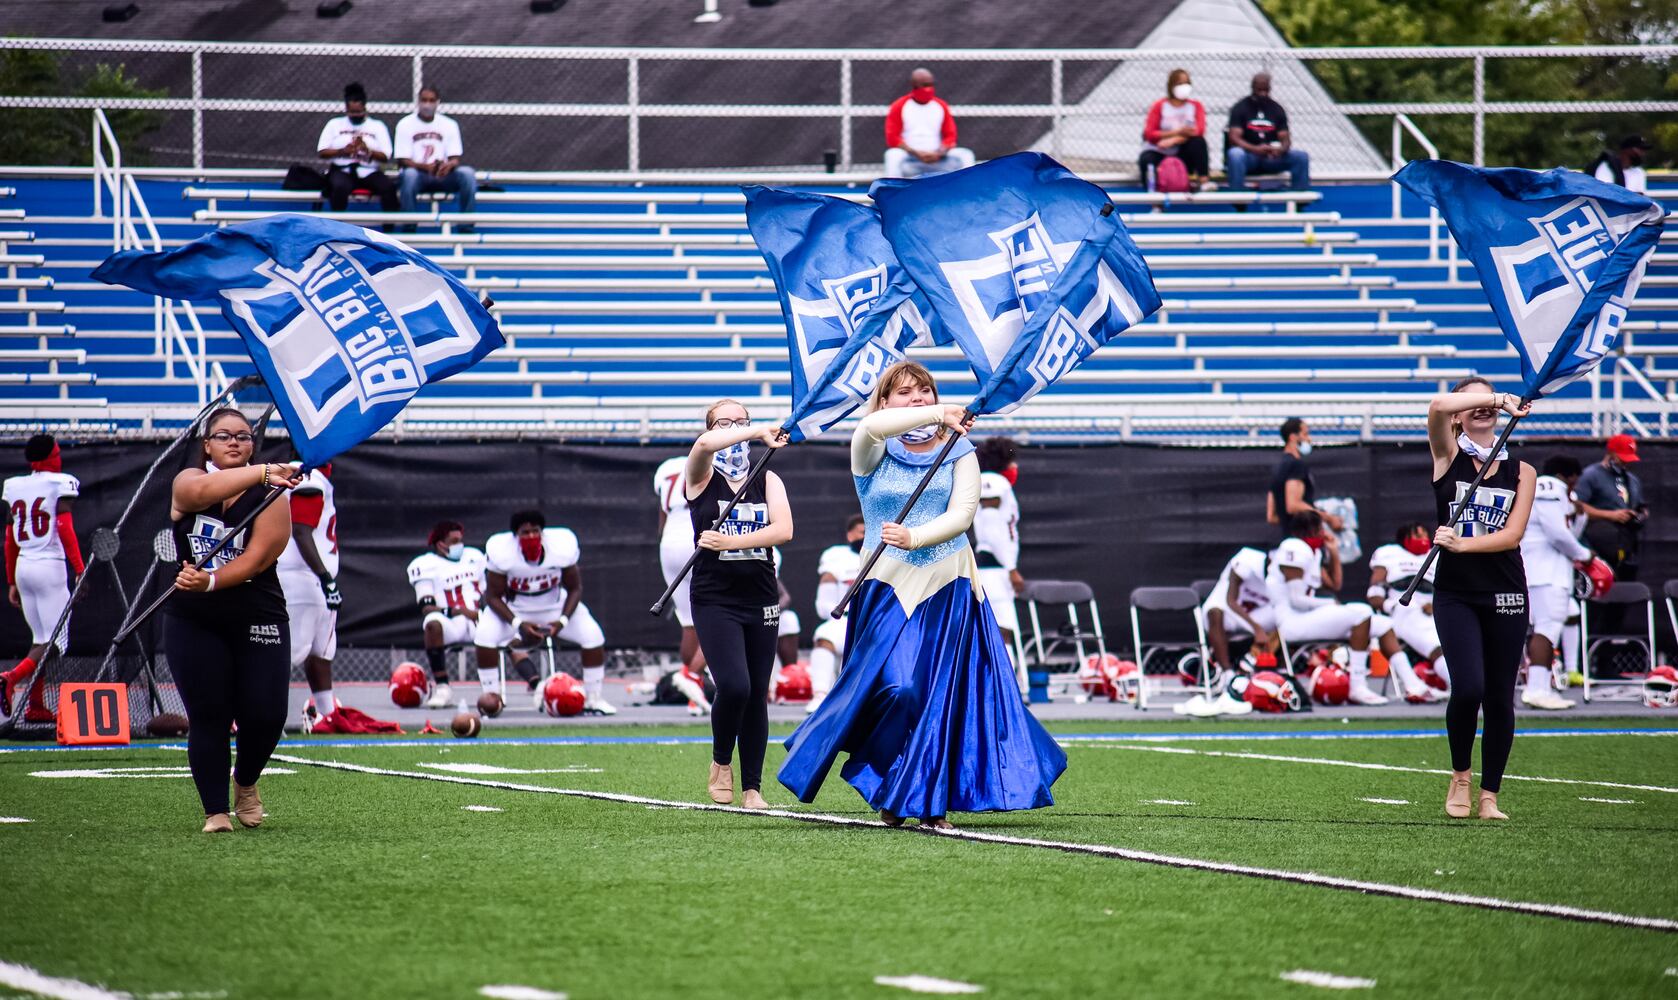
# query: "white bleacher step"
(47, 330)
(11, 214)
(24, 284)
(1084, 374)
(768, 305)
(76, 355)
(1284, 238)
(622, 197)
(8, 192)
(669, 262)
(1328, 282)
(46, 378)
(29, 307)
(17, 236)
(777, 329)
(22, 260)
(1109, 353)
(1288, 305)
(719, 220)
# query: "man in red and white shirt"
(41, 553)
(921, 132)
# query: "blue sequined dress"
(927, 706)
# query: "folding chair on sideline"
(1203, 589)
(1049, 650)
(1168, 659)
(1624, 592)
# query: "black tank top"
(1479, 572)
(743, 578)
(257, 599)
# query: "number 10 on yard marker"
(92, 714)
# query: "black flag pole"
(908, 505)
(733, 501)
(1467, 498)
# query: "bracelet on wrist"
(212, 585)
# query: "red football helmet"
(1592, 580)
(792, 683)
(1329, 684)
(408, 685)
(1109, 677)
(1660, 688)
(562, 696)
(1431, 677)
(1269, 691)
(1258, 660)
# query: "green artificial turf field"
(383, 885)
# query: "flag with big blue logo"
(1559, 253)
(850, 308)
(344, 324)
(1024, 263)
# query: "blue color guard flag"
(1560, 255)
(850, 308)
(1024, 263)
(344, 324)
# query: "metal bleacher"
(626, 303)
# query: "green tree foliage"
(56, 136)
(1526, 140)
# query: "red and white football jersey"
(673, 500)
(841, 562)
(533, 585)
(451, 584)
(31, 503)
(315, 488)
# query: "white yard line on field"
(1328, 980)
(1388, 802)
(519, 993)
(1365, 765)
(928, 984)
(22, 977)
(1100, 850)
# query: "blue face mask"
(1305, 447)
(919, 435)
(733, 461)
(457, 550)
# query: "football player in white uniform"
(535, 592)
(308, 571)
(1307, 561)
(787, 636)
(41, 555)
(1549, 551)
(448, 582)
(1391, 568)
(836, 571)
(996, 536)
(675, 545)
(1239, 605)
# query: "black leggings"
(229, 671)
(1196, 159)
(739, 647)
(341, 182)
(1483, 643)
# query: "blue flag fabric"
(1559, 253)
(344, 324)
(1024, 263)
(850, 308)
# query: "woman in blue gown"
(926, 707)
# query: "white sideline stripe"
(1365, 765)
(1168, 802)
(14, 819)
(22, 977)
(493, 769)
(928, 984)
(1102, 850)
(1612, 802)
(134, 772)
(483, 809)
(519, 993)
(1328, 980)
(1389, 802)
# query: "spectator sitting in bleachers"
(1625, 165)
(356, 145)
(1176, 126)
(1259, 141)
(428, 149)
(921, 132)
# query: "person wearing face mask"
(1550, 552)
(534, 592)
(428, 149)
(449, 584)
(927, 706)
(996, 539)
(921, 132)
(1611, 497)
(1258, 141)
(1292, 490)
(225, 628)
(836, 571)
(735, 596)
(1391, 568)
(1176, 126)
(42, 558)
(1480, 589)
(357, 147)
(1624, 166)
(1305, 564)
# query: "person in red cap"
(1611, 495)
(43, 562)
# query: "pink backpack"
(1170, 176)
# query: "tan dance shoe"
(247, 805)
(751, 798)
(721, 784)
(1488, 806)
(1456, 800)
(218, 823)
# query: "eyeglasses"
(224, 437)
(742, 422)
